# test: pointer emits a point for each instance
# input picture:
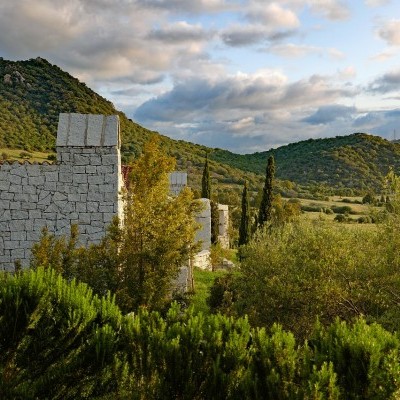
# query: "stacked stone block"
(177, 181)
(82, 188)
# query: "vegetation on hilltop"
(357, 161)
(34, 92)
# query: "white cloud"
(376, 3)
(390, 32)
(294, 50)
(273, 16)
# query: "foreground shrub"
(310, 270)
(58, 341)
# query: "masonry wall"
(81, 188)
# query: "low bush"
(58, 341)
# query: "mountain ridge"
(34, 92)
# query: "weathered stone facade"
(81, 188)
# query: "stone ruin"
(83, 187)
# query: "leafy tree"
(206, 181)
(265, 211)
(245, 221)
(214, 222)
(307, 270)
(159, 230)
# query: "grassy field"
(22, 155)
(203, 280)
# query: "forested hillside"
(34, 92)
(354, 161)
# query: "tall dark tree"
(206, 181)
(245, 221)
(265, 212)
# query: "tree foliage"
(307, 270)
(245, 220)
(265, 211)
(206, 181)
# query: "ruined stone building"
(83, 187)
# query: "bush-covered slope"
(355, 161)
(34, 92)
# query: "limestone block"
(95, 129)
(19, 215)
(10, 244)
(28, 206)
(4, 204)
(33, 236)
(80, 207)
(34, 214)
(83, 189)
(21, 197)
(79, 169)
(111, 132)
(15, 188)
(90, 169)
(92, 206)
(36, 180)
(84, 218)
(50, 186)
(77, 130)
(6, 196)
(96, 216)
(80, 159)
(95, 179)
(18, 235)
(4, 185)
(74, 197)
(95, 196)
(34, 170)
(16, 180)
(80, 178)
(63, 129)
(15, 205)
(19, 171)
(5, 216)
(90, 230)
(106, 209)
(202, 260)
(51, 176)
(108, 217)
(28, 189)
(95, 160)
(109, 159)
(17, 254)
(105, 169)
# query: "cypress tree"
(206, 182)
(264, 214)
(245, 225)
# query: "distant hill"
(34, 92)
(357, 161)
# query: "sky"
(242, 75)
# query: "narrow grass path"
(203, 280)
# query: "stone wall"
(81, 188)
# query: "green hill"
(357, 161)
(34, 92)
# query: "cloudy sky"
(244, 75)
